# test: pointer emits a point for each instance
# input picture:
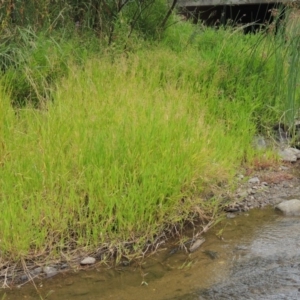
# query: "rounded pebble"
(230, 216)
(254, 180)
(88, 261)
(50, 271)
(36, 271)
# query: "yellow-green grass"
(126, 148)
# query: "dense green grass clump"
(128, 143)
(110, 159)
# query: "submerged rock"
(88, 261)
(50, 271)
(211, 254)
(230, 216)
(289, 207)
(196, 245)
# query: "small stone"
(264, 183)
(50, 271)
(289, 207)
(254, 180)
(88, 261)
(283, 168)
(125, 263)
(211, 254)
(64, 266)
(24, 278)
(242, 194)
(232, 209)
(241, 248)
(295, 151)
(196, 245)
(230, 216)
(251, 191)
(36, 271)
(288, 154)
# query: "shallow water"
(258, 257)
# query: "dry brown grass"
(293, 24)
(276, 177)
(261, 163)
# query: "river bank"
(254, 244)
(267, 185)
(106, 156)
(257, 187)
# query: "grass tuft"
(125, 146)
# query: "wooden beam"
(186, 3)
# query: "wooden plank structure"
(254, 14)
(194, 3)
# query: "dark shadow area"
(252, 17)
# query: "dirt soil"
(266, 185)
